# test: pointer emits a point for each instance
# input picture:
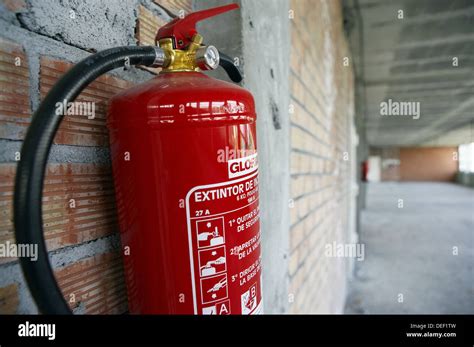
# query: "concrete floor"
(409, 250)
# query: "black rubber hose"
(34, 156)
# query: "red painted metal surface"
(168, 136)
(182, 30)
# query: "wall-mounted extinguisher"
(185, 169)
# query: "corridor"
(419, 250)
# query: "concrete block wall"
(39, 40)
(321, 111)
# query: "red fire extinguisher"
(185, 167)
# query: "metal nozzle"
(207, 58)
(161, 60)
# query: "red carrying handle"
(182, 30)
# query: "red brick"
(93, 217)
(147, 27)
(96, 283)
(175, 6)
(14, 91)
(9, 299)
(78, 129)
(14, 5)
(317, 42)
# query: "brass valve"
(194, 58)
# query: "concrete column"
(258, 36)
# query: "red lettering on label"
(242, 166)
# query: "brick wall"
(417, 163)
(428, 164)
(321, 110)
(39, 41)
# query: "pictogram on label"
(212, 261)
(249, 299)
(210, 232)
(214, 288)
(224, 247)
(222, 308)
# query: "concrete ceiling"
(411, 60)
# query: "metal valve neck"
(195, 57)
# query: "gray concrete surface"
(259, 36)
(409, 250)
(406, 54)
(266, 43)
(86, 24)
